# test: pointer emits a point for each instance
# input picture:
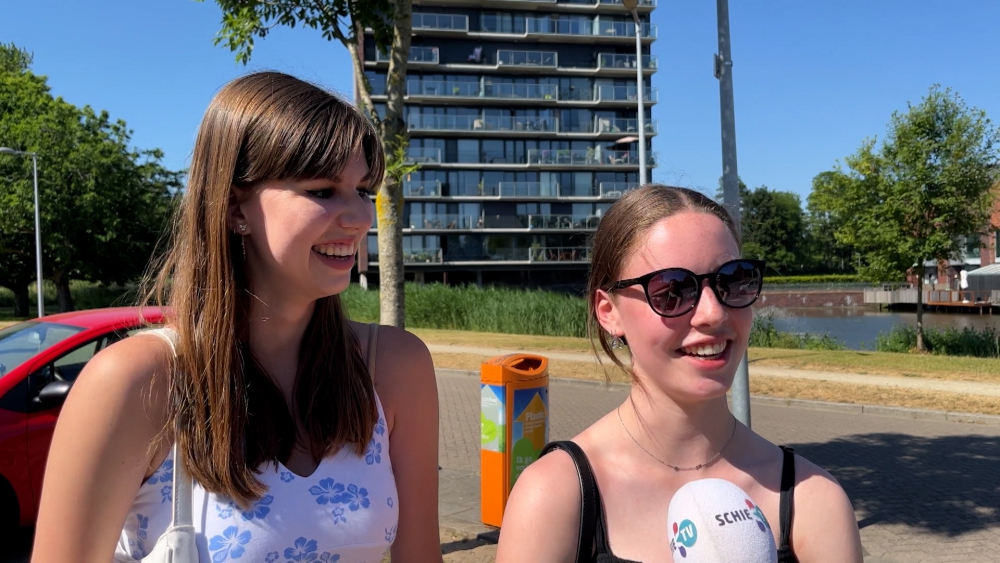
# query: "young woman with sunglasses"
(667, 282)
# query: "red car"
(39, 361)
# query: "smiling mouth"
(336, 250)
(706, 351)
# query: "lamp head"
(630, 5)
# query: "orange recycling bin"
(514, 425)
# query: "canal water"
(857, 327)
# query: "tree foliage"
(389, 21)
(916, 195)
(773, 227)
(103, 204)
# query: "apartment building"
(523, 117)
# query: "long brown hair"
(620, 231)
(225, 412)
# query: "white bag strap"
(182, 493)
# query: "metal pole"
(730, 180)
(38, 241)
(640, 112)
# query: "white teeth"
(338, 250)
(705, 349)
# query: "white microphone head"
(714, 521)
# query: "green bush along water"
(981, 343)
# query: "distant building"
(979, 251)
(523, 116)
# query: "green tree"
(103, 205)
(825, 252)
(773, 227)
(346, 22)
(913, 198)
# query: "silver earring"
(242, 227)
(617, 343)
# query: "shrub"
(980, 343)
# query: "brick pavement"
(923, 490)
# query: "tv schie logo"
(747, 514)
(685, 536)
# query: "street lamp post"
(631, 6)
(38, 228)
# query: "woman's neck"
(276, 330)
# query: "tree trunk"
(21, 300)
(389, 204)
(920, 306)
(63, 296)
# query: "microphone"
(714, 521)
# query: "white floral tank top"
(345, 512)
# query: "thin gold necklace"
(675, 467)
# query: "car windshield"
(20, 342)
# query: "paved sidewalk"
(923, 490)
(915, 383)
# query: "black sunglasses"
(673, 292)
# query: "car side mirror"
(54, 394)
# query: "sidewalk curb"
(900, 412)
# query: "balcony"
(537, 59)
(559, 254)
(613, 61)
(521, 91)
(625, 29)
(424, 55)
(542, 25)
(519, 124)
(422, 188)
(623, 125)
(565, 222)
(439, 22)
(443, 89)
(614, 190)
(593, 156)
(419, 221)
(430, 255)
(642, 3)
(609, 93)
(522, 189)
(415, 155)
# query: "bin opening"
(526, 364)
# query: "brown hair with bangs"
(619, 233)
(225, 412)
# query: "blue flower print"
(141, 533)
(328, 557)
(355, 498)
(380, 426)
(143, 527)
(260, 508)
(272, 557)
(389, 502)
(390, 534)
(230, 545)
(163, 474)
(225, 510)
(304, 550)
(327, 491)
(165, 492)
(287, 476)
(374, 454)
(338, 515)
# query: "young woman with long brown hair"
(308, 437)
(667, 281)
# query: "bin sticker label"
(531, 429)
(492, 418)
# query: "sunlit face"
(303, 235)
(694, 356)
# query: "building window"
(996, 244)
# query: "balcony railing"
(609, 93)
(523, 189)
(584, 157)
(440, 22)
(559, 254)
(429, 55)
(549, 26)
(572, 222)
(528, 58)
(650, 3)
(421, 221)
(521, 91)
(431, 255)
(613, 60)
(418, 122)
(423, 155)
(614, 190)
(624, 29)
(425, 188)
(440, 88)
(623, 125)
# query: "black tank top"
(593, 546)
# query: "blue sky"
(812, 79)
